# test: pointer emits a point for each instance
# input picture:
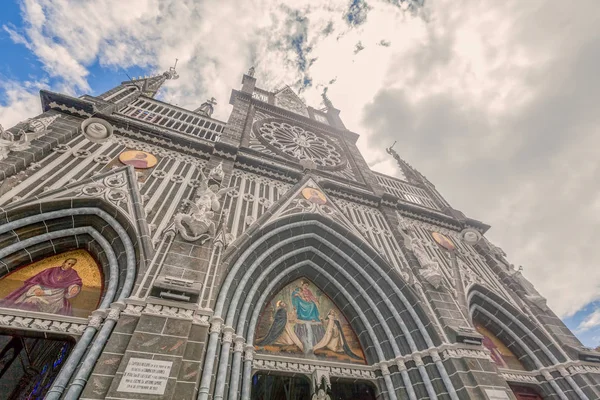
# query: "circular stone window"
(294, 141)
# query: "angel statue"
(198, 223)
(27, 131)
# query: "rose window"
(294, 141)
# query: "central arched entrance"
(372, 298)
(280, 387)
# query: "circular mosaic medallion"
(443, 241)
(294, 141)
(471, 236)
(139, 159)
(314, 195)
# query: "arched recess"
(383, 311)
(535, 350)
(35, 230)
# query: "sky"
(494, 101)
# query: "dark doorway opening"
(525, 393)
(283, 387)
(29, 365)
(280, 387)
(344, 390)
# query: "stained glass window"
(29, 365)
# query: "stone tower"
(152, 252)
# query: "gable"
(286, 98)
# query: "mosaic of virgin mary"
(301, 319)
(54, 285)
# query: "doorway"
(29, 365)
(280, 387)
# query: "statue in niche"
(48, 291)
(430, 268)
(198, 223)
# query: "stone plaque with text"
(145, 376)
(496, 394)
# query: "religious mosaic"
(302, 320)
(138, 159)
(501, 355)
(69, 284)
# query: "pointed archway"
(62, 220)
(533, 347)
(381, 308)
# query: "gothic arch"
(34, 230)
(382, 309)
(522, 336)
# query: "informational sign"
(496, 394)
(145, 376)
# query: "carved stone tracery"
(297, 142)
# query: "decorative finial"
(390, 150)
(251, 71)
(207, 108)
(326, 100)
(172, 73)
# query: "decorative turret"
(411, 174)
(207, 108)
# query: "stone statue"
(251, 71)
(198, 223)
(217, 173)
(532, 294)
(27, 131)
(430, 268)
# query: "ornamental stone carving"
(177, 312)
(228, 334)
(249, 353)
(294, 141)
(215, 325)
(198, 224)
(27, 131)
(238, 346)
(429, 267)
(400, 364)
(42, 324)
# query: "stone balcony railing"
(174, 118)
(405, 191)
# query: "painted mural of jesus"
(48, 291)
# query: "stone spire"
(149, 86)
(143, 85)
(411, 174)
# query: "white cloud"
(22, 100)
(481, 97)
(591, 321)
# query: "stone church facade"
(152, 252)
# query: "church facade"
(152, 252)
